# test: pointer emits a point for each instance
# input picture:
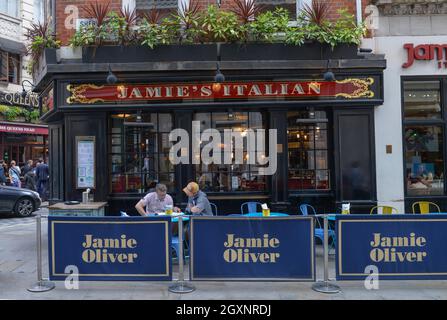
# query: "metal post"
(181, 286)
(324, 286)
(41, 285)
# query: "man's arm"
(140, 208)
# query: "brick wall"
(62, 32)
(65, 34)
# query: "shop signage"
(255, 248)
(110, 248)
(22, 129)
(16, 99)
(352, 88)
(427, 52)
(85, 162)
(397, 246)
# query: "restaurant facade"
(114, 138)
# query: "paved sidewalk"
(18, 272)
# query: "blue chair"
(213, 208)
(251, 207)
(319, 231)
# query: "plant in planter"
(184, 24)
(269, 24)
(219, 25)
(94, 34)
(39, 37)
(246, 11)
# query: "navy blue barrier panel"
(110, 248)
(411, 246)
(255, 248)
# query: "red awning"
(20, 128)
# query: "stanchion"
(181, 286)
(325, 286)
(41, 285)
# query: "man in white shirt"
(155, 202)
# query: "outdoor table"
(91, 209)
(259, 214)
(174, 216)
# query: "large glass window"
(230, 177)
(424, 138)
(9, 67)
(10, 7)
(308, 150)
(139, 152)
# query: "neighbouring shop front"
(324, 131)
(414, 121)
(22, 142)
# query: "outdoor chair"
(251, 207)
(213, 208)
(319, 231)
(424, 207)
(385, 209)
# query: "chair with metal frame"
(213, 208)
(319, 230)
(424, 207)
(251, 206)
(385, 209)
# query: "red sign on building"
(22, 129)
(347, 88)
(428, 52)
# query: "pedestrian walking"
(2, 172)
(42, 175)
(14, 175)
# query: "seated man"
(154, 202)
(198, 203)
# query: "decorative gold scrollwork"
(78, 96)
(362, 86)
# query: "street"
(18, 272)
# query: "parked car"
(21, 202)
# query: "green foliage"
(343, 30)
(219, 25)
(12, 113)
(216, 25)
(268, 24)
(39, 37)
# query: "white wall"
(14, 28)
(388, 117)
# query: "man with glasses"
(155, 202)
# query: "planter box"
(280, 51)
(208, 52)
(121, 54)
(48, 57)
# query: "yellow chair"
(385, 209)
(424, 206)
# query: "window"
(164, 7)
(10, 7)
(42, 11)
(9, 67)
(139, 152)
(289, 5)
(308, 150)
(424, 130)
(230, 177)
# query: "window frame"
(111, 173)
(265, 126)
(442, 122)
(10, 55)
(17, 13)
(329, 150)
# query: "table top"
(259, 214)
(81, 206)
